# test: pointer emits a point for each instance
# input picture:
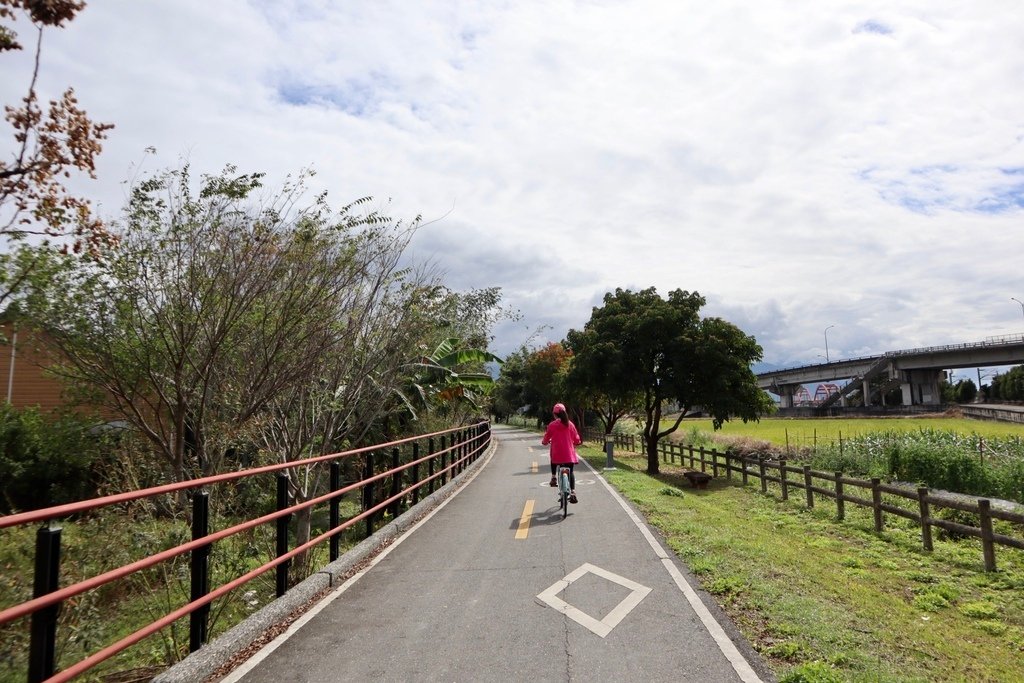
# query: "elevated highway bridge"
(917, 372)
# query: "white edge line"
(268, 649)
(715, 630)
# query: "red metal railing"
(458, 448)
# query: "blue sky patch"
(872, 26)
(357, 98)
(927, 189)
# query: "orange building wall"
(30, 385)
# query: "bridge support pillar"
(786, 395)
(922, 387)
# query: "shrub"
(812, 672)
(941, 467)
(46, 460)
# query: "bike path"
(459, 597)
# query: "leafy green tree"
(585, 379)
(662, 350)
(510, 387)
(542, 379)
(212, 305)
(50, 145)
(1009, 386)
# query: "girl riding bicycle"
(563, 437)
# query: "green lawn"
(807, 431)
(824, 600)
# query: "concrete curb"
(203, 663)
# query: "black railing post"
(430, 463)
(396, 483)
(282, 533)
(335, 513)
(415, 472)
(368, 493)
(444, 461)
(43, 641)
(198, 619)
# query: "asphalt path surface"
(486, 589)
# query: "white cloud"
(800, 165)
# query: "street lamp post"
(1021, 304)
(826, 342)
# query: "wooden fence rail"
(877, 495)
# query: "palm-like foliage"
(448, 376)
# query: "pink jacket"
(562, 439)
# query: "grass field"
(827, 601)
(807, 432)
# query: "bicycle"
(563, 490)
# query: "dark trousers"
(572, 475)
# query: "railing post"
(335, 507)
(876, 501)
(691, 457)
(444, 461)
(743, 468)
(728, 464)
(714, 463)
(988, 548)
(807, 487)
(764, 478)
(368, 492)
(396, 482)
(926, 527)
(43, 640)
(430, 463)
(703, 465)
(840, 503)
(282, 533)
(782, 477)
(200, 562)
(415, 472)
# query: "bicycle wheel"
(563, 487)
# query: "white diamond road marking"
(601, 627)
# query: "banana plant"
(436, 380)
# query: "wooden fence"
(843, 489)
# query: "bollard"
(609, 449)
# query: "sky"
(855, 167)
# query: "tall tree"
(212, 305)
(661, 350)
(543, 381)
(49, 145)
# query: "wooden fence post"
(807, 486)
(926, 527)
(703, 464)
(743, 468)
(988, 548)
(782, 477)
(840, 503)
(714, 463)
(764, 478)
(728, 464)
(876, 501)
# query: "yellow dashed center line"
(524, 521)
(533, 467)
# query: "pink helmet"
(559, 408)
